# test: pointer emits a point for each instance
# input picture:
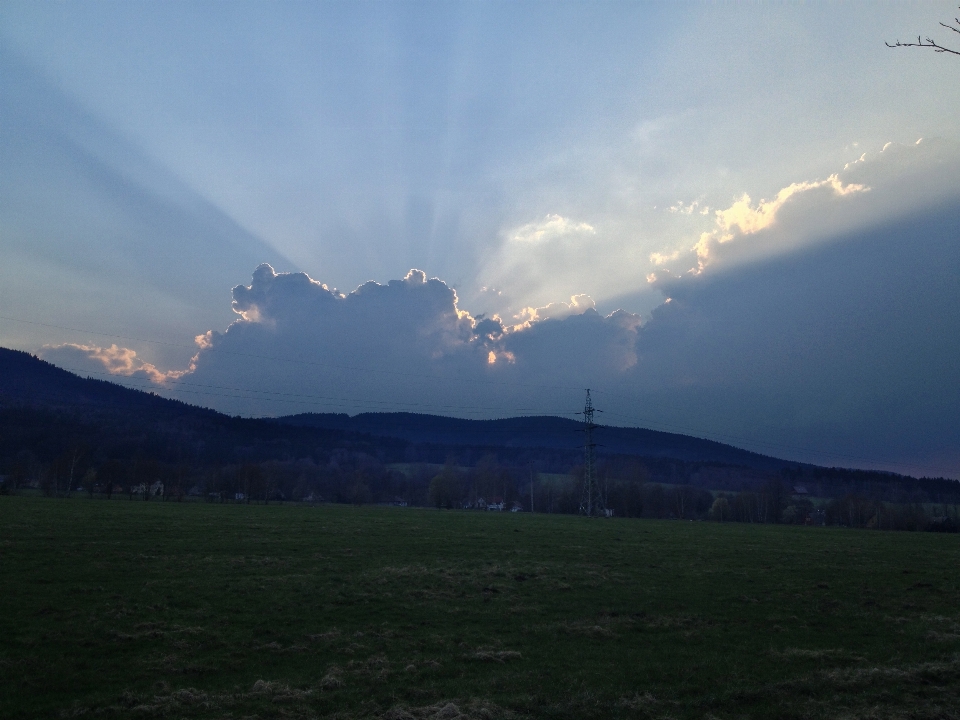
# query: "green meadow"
(120, 609)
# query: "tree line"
(632, 487)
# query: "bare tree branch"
(929, 42)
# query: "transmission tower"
(591, 499)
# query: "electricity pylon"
(591, 499)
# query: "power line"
(288, 396)
(314, 363)
(636, 422)
(653, 424)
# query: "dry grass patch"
(806, 654)
(191, 701)
(471, 710)
(487, 654)
(332, 679)
(931, 673)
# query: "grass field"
(150, 609)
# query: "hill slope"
(44, 409)
(535, 432)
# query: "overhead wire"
(353, 403)
(708, 435)
(289, 397)
(637, 423)
(338, 366)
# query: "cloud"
(875, 187)
(550, 228)
(114, 360)
(681, 209)
(298, 345)
(744, 218)
(406, 344)
(536, 263)
(664, 258)
(848, 346)
(750, 219)
(409, 318)
(578, 305)
(543, 261)
(579, 350)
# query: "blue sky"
(155, 154)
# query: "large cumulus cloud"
(298, 345)
(410, 319)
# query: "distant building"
(800, 490)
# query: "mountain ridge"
(30, 381)
(536, 431)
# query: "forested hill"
(27, 379)
(536, 432)
(44, 410)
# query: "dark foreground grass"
(131, 609)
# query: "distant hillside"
(536, 432)
(25, 378)
(44, 409)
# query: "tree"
(930, 42)
(445, 488)
(775, 495)
(111, 473)
(487, 477)
(21, 469)
(252, 482)
(65, 467)
(720, 510)
(359, 490)
(90, 480)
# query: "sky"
(733, 220)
